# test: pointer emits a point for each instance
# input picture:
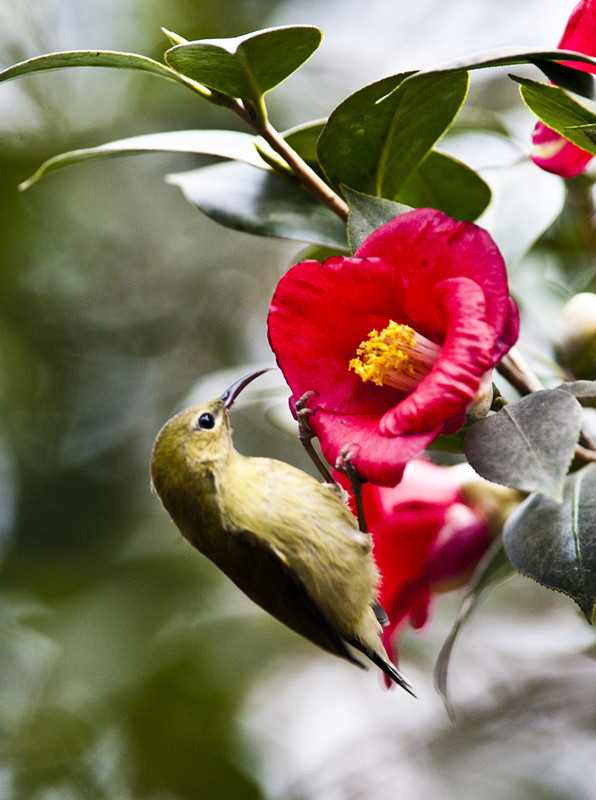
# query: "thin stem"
(513, 368)
(307, 177)
(584, 454)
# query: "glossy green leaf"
(226, 144)
(367, 214)
(509, 57)
(303, 139)
(318, 253)
(91, 58)
(528, 444)
(377, 137)
(574, 80)
(174, 38)
(445, 183)
(561, 111)
(449, 443)
(246, 67)
(493, 568)
(555, 543)
(589, 131)
(257, 201)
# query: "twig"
(306, 176)
(514, 369)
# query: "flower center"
(398, 356)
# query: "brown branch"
(306, 176)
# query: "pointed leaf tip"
(174, 37)
(492, 569)
(555, 543)
(246, 67)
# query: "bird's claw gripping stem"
(306, 435)
(345, 464)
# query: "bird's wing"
(380, 613)
(264, 574)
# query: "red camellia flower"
(427, 539)
(395, 342)
(552, 151)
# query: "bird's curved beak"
(232, 392)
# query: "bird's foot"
(306, 435)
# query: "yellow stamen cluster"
(397, 356)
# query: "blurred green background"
(128, 667)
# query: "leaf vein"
(527, 442)
(575, 527)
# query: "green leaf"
(92, 58)
(317, 253)
(377, 137)
(509, 57)
(493, 568)
(560, 111)
(529, 444)
(440, 182)
(303, 139)
(246, 67)
(174, 38)
(367, 214)
(257, 201)
(583, 391)
(589, 131)
(445, 183)
(449, 443)
(225, 144)
(555, 543)
(574, 80)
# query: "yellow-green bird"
(288, 541)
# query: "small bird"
(287, 541)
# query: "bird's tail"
(383, 662)
(392, 671)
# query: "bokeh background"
(129, 668)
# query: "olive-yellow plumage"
(288, 541)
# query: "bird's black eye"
(205, 422)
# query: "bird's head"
(201, 435)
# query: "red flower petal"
(425, 540)
(445, 279)
(317, 319)
(466, 355)
(558, 155)
(580, 33)
(381, 459)
(426, 247)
